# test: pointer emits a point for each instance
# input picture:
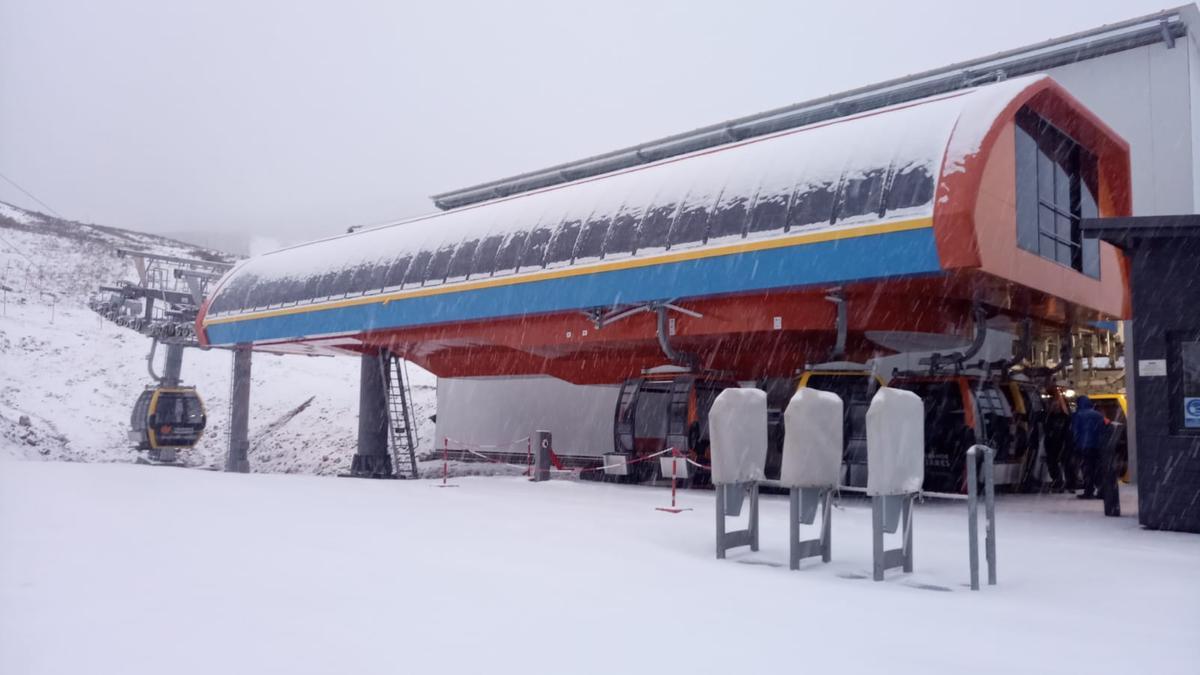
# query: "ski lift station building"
(914, 205)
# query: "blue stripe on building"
(894, 254)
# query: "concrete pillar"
(372, 459)
(236, 458)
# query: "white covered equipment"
(895, 443)
(812, 442)
(738, 434)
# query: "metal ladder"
(400, 418)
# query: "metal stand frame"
(889, 513)
(729, 503)
(975, 455)
(804, 502)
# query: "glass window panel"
(1045, 173)
(690, 227)
(653, 230)
(1063, 227)
(1090, 253)
(861, 194)
(341, 283)
(1185, 387)
(1046, 220)
(485, 256)
(510, 252)
(311, 286)
(1027, 186)
(1062, 187)
(396, 271)
(325, 286)
(1049, 247)
(535, 249)
(591, 239)
(416, 269)
(770, 211)
(622, 234)
(730, 217)
(911, 186)
(364, 278)
(463, 260)
(1064, 253)
(562, 246)
(439, 264)
(811, 205)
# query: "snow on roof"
(877, 166)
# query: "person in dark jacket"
(1087, 429)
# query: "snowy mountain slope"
(68, 379)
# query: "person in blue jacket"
(1087, 429)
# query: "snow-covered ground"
(75, 377)
(133, 569)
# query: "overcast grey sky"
(292, 119)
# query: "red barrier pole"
(674, 468)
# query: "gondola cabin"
(855, 386)
(661, 411)
(167, 419)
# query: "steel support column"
(236, 458)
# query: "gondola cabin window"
(1056, 187)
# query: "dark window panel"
(654, 228)
(1045, 174)
(510, 252)
(312, 286)
(1049, 247)
(691, 226)
(416, 269)
(292, 291)
(1027, 187)
(811, 204)
(325, 286)
(233, 296)
(439, 265)
(1090, 252)
(534, 255)
(861, 194)
(911, 186)
(341, 283)
(622, 234)
(730, 217)
(396, 271)
(1062, 226)
(769, 211)
(463, 260)
(485, 256)
(591, 239)
(1046, 221)
(562, 245)
(363, 279)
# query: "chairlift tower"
(162, 305)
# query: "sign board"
(1191, 412)
(669, 464)
(616, 464)
(1152, 367)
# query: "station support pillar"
(236, 458)
(372, 459)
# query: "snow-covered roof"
(875, 167)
